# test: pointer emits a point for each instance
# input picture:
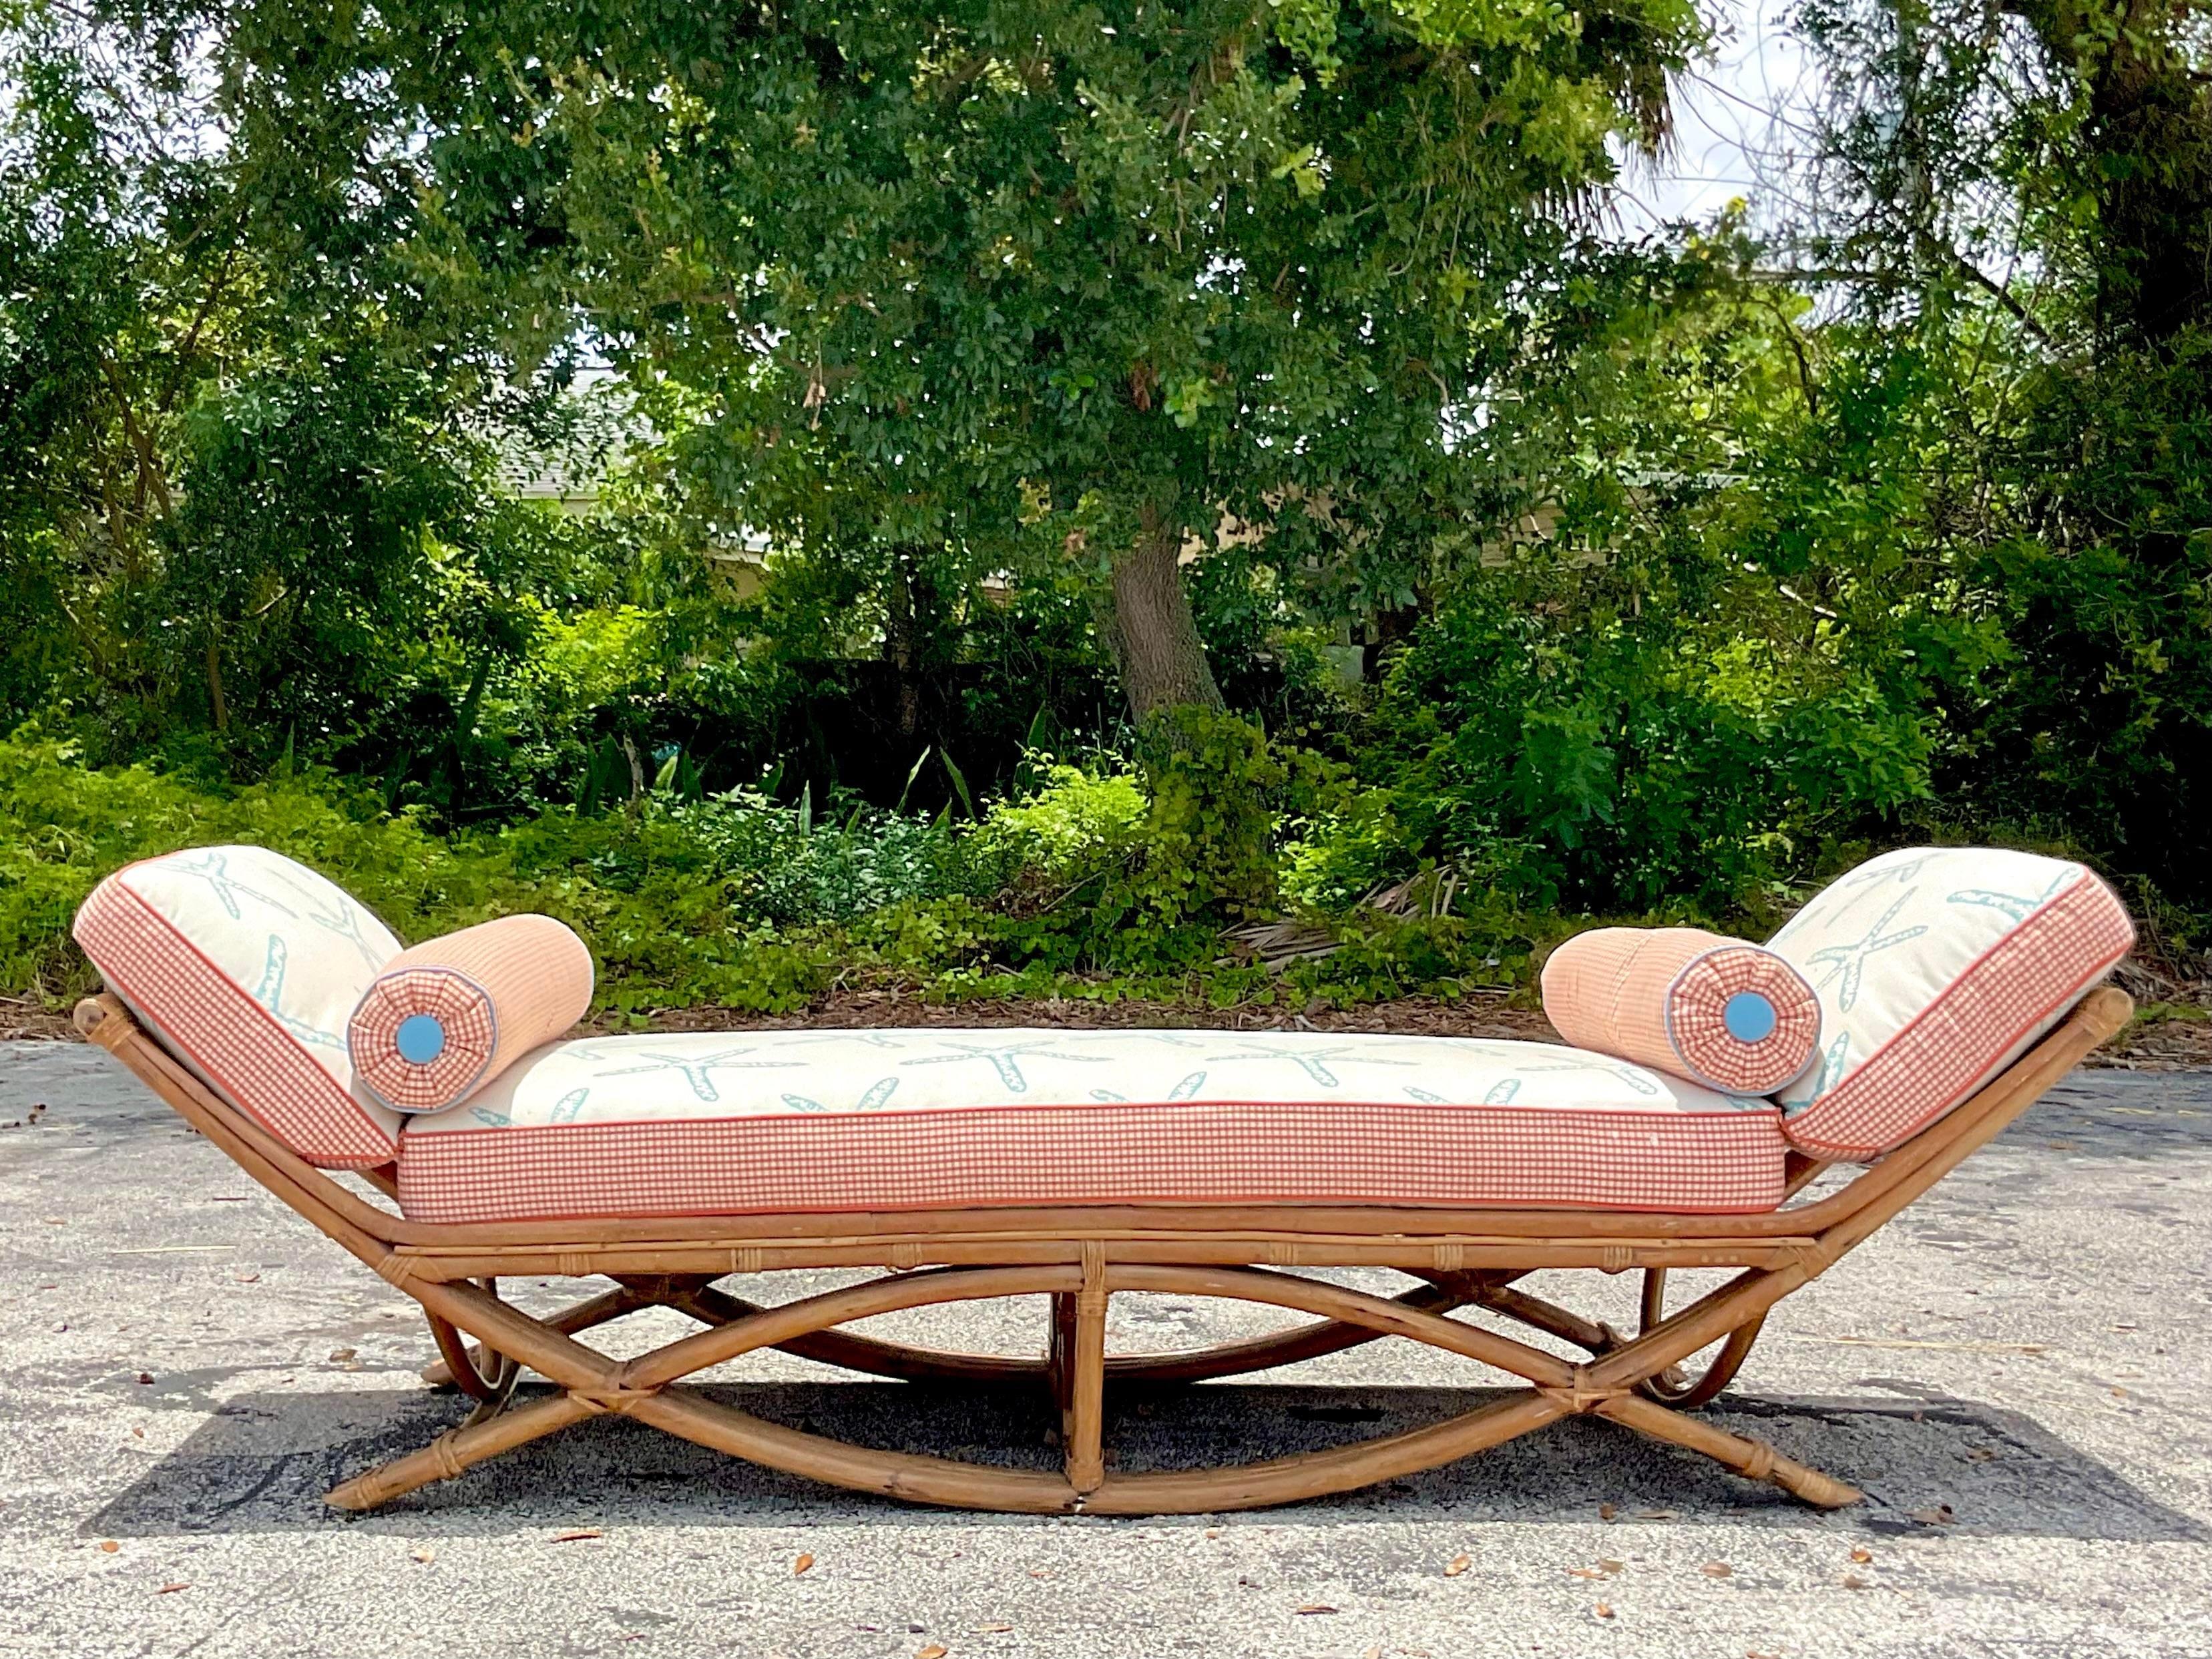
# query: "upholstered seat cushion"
(724, 1123)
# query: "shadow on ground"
(2000, 1471)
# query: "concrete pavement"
(2027, 1347)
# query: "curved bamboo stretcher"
(1079, 1257)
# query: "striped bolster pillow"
(446, 1018)
(1721, 1012)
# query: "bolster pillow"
(443, 1019)
(1724, 1013)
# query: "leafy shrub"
(1614, 767)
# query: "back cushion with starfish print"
(245, 965)
(1937, 968)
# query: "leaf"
(1717, 1569)
(340, 1356)
(1456, 1566)
(959, 783)
(1940, 1515)
(921, 760)
(170, 1589)
(1605, 1511)
(1658, 1514)
(425, 1555)
(1312, 1607)
(934, 1651)
(108, 1547)
(1861, 1554)
(1604, 1609)
(1853, 1581)
(577, 1534)
(999, 1628)
(802, 1564)
(1609, 1566)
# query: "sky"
(1732, 126)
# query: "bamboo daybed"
(1079, 1257)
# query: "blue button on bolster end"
(421, 1038)
(1749, 1017)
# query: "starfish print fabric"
(1935, 967)
(246, 964)
(714, 1123)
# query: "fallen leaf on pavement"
(1456, 1566)
(1605, 1511)
(1853, 1581)
(1940, 1516)
(425, 1555)
(1605, 1609)
(802, 1564)
(340, 1356)
(1316, 1606)
(145, 1376)
(1979, 1454)
(1214, 1532)
(1591, 1573)
(577, 1534)
(934, 1651)
(1609, 1566)
(1861, 1554)
(992, 1630)
(245, 1278)
(108, 1547)
(170, 1589)
(1658, 1514)
(1375, 1652)
(1717, 1569)
(139, 1434)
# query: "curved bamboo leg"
(697, 1296)
(601, 1309)
(681, 1411)
(1379, 1314)
(458, 1449)
(647, 1389)
(1755, 1460)
(1674, 1386)
(483, 1373)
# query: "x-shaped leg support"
(650, 1388)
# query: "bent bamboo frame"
(1078, 1258)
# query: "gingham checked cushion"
(908, 1120)
(245, 965)
(449, 1015)
(1719, 1011)
(1935, 967)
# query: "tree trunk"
(217, 705)
(2149, 143)
(901, 644)
(1155, 636)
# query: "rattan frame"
(1079, 1256)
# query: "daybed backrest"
(1935, 967)
(245, 965)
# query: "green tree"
(1010, 285)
